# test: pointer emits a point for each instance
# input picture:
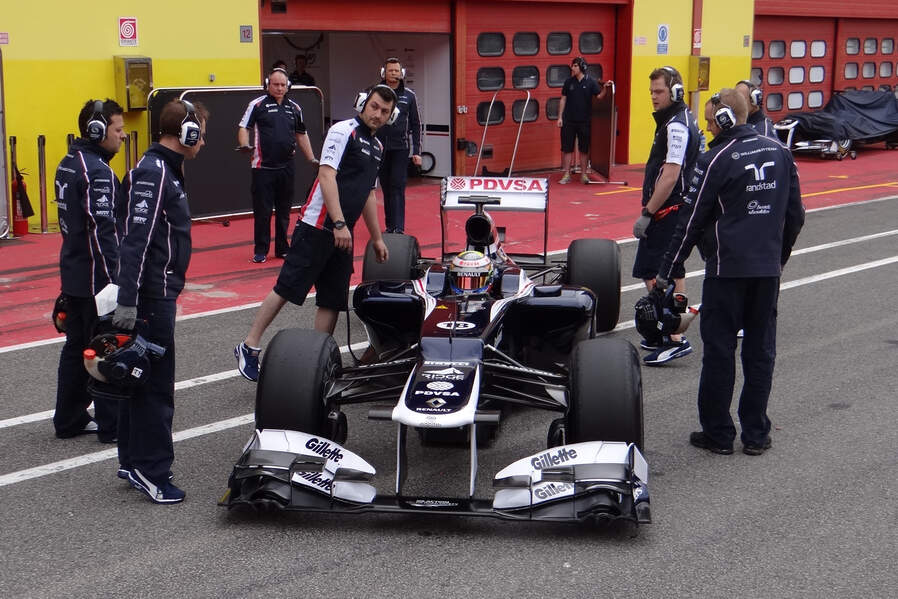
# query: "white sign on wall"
(663, 38)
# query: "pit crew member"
(746, 213)
(86, 189)
(155, 252)
(673, 154)
(394, 166)
(321, 248)
(278, 128)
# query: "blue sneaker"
(125, 474)
(669, 351)
(165, 493)
(259, 258)
(649, 346)
(248, 361)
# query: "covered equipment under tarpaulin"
(848, 118)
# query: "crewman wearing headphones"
(322, 246)
(667, 171)
(575, 116)
(754, 96)
(746, 213)
(155, 252)
(86, 189)
(278, 128)
(394, 137)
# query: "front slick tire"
(298, 368)
(605, 393)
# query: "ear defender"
(723, 116)
(190, 132)
(677, 91)
(273, 71)
(755, 94)
(96, 126)
(362, 98)
(383, 69)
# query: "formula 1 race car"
(454, 344)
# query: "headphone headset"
(676, 89)
(276, 70)
(190, 132)
(362, 99)
(755, 94)
(383, 69)
(96, 125)
(581, 63)
(723, 116)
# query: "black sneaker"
(751, 449)
(700, 440)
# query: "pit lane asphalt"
(813, 517)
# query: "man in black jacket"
(746, 214)
(155, 252)
(757, 118)
(86, 188)
(673, 154)
(394, 137)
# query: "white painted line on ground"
(32, 344)
(214, 427)
(179, 386)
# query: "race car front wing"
(296, 471)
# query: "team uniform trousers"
(145, 420)
(730, 304)
(72, 397)
(272, 188)
(393, 178)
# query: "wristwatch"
(339, 224)
(645, 212)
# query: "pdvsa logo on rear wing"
(513, 193)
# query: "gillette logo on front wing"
(553, 458)
(324, 449)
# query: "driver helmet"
(470, 272)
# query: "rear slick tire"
(595, 264)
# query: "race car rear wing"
(496, 194)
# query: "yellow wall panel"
(60, 54)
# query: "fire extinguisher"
(23, 208)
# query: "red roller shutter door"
(866, 56)
(793, 60)
(539, 33)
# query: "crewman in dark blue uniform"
(394, 137)
(673, 154)
(155, 252)
(757, 118)
(86, 189)
(278, 128)
(746, 214)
